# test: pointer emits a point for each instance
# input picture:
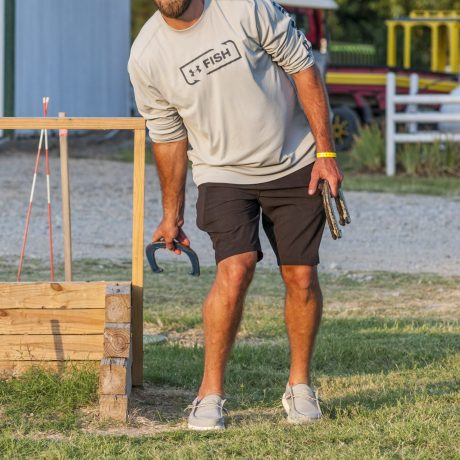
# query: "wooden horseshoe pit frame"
(50, 323)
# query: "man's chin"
(173, 10)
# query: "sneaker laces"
(199, 404)
(305, 394)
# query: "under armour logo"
(193, 72)
(210, 61)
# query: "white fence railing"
(411, 117)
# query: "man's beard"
(172, 8)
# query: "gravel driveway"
(403, 233)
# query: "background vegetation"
(141, 11)
(364, 22)
(424, 160)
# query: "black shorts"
(293, 220)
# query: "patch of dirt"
(153, 409)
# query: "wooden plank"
(65, 192)
(46, 322)
(117, 340)
(115, 376)
(16, 368)
(72, 123)
(51, 347)
(138, 257)
(113, 407)
(52, 295)
(118, 304)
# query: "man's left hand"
(326, 169)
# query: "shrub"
(437, 159)
(368, 153)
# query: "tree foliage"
(364, 22)
(141, 11)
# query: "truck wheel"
(345, 125)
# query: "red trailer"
(357, 92)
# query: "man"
(229, 78)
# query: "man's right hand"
(168, 232)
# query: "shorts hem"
(310, 262)
(221, 257)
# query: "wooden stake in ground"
(65, 191)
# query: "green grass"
(402, 184)
(387, 363)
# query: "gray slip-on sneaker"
(301, 404)
(207, 413)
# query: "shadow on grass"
(257, 374)
(372, 400)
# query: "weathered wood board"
(53, 324)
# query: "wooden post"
(115, 371)
(65, 192)
(138, 256)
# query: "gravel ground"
(403, 233)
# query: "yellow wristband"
(326, 155)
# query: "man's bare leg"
(222, 311)
(303, 310)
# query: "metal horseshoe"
(153, 247)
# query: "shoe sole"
(304, 421)
(205, 428)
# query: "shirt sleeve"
(280, 38)
(163, 121)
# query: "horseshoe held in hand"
(344, 215)
(153, 247)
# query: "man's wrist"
(173, 219)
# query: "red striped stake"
(43, 135)
(29, 209)
(48, 190)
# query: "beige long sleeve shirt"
(224, 83)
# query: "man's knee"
(300, 277)
(237, 271)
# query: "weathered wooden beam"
(115, 371)
(117, 340)
(52, 295)
(51, 347)
(137, 278)
(72, 123)
(118, 304)
(115, 376)
(65, 192)
(114, 407)
(48, 322)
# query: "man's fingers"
(156, 236)
(313, 184)
(334, 184)
(169, 242)
(183, 238)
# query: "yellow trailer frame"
(445, 38)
